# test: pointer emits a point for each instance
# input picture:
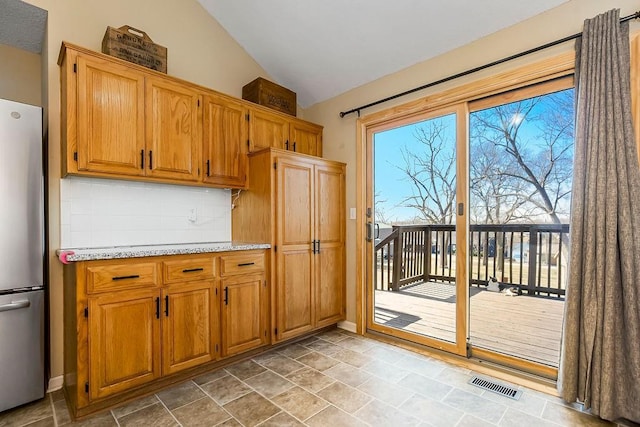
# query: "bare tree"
(540, 164)
(521, 174)
(432, 173)
(380, 211)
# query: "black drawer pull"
(133, 276)
(244, 264)
(191, 270)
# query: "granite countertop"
(91, 254)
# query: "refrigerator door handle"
(15, 305)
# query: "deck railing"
(531, 257)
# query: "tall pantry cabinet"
(297, 203)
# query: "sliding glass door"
(417, 234)
(520, 172)
(486, 278)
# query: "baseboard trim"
(348, 326)
(55, 383)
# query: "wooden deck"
(522, 326)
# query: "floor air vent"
(493, 386)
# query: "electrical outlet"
(193, 215)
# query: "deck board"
(522, 326)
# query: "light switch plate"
(352, 213)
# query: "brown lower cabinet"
(132, 323)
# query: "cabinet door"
(267, 130)
(305, 138)
(243, 313)
(172, 130)
(294, 257)
(190, 325)
(124, 341)
(110, 114)
(330, 231)
(225, 142)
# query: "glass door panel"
(414, 266)
(520, 172)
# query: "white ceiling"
(22, 25)
(322, 48)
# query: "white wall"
(104, 212)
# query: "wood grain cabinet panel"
(226, 141)
(124, 345)
(267, 130)
(173, 123)
(241, 263)
(114, 275)
(188, 269)
(110, 132)
(295, 296)
(243, 313)
(330, 211)
(305, 138)
(190, 325)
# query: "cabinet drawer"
(241, 263)
(112, 276)
(185, 270)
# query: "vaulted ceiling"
(322, 48)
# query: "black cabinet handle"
(318, 248)
(141, 159)
(286, 145)
(191, 270)
(294, 146)
(133, 276)
(208, 168)
(150, 159)
(313, 246)
(226, 295)
(244, 264)
(157, 307)
(166, 305)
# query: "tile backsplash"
(104, 212)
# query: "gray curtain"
(600, 359)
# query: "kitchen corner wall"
(104, 212)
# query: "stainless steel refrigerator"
(21, 255)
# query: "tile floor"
(332, 379)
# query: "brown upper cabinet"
(173, 123)
(274, 130)
(110, 118)
(225, 141)
(121, 120)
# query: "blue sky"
(392, 184)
